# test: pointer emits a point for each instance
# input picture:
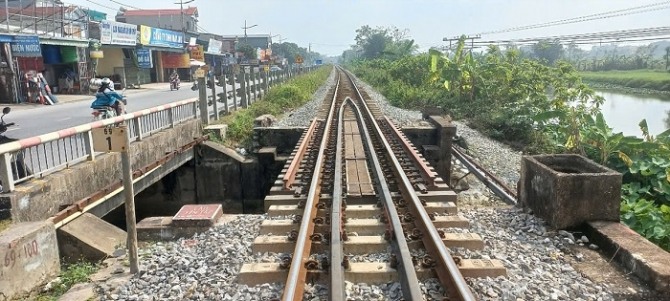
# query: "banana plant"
(456, 72)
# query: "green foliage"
(538, 108)
(382, 42)
(280, 99)
(642, 79)
(291, 50)
(248, 51)
(71, 274)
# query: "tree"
(247, 50)
(384, 42)
(550, 51)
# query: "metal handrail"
(56, 150)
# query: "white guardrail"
(39, 156)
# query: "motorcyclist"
(106, 96)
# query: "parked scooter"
(106, 112)
(19, 168)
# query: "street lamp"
(181, 8)
(245, 31)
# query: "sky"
(330, 26)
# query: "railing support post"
(138, 128)
(215, 102)
(88, 142)
(6, 172)
(224, 93)
(204, 111)
(171, 116)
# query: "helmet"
(107, 83)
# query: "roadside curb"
(633, 252)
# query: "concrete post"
(225, 92)
(243, 89)
(131, 223)
(247, 80)
(267, 82)
(204, 112)
(445, 133)
(234, 84)
(215, 102)
(259, 91)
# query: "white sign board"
(117, 33)
(214, 46)
(110, 139)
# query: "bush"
(277, 101)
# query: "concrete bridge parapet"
(42, 198)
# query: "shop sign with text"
(144, 58)
(117, 33)
(160, 37)
(26, 46)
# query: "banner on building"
(144, 60)
(26, 46)
(214, 46)
(197, 53)
(175, 60)
(160, 37)
(117, 33)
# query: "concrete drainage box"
(567, 190)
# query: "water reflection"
(623, 112)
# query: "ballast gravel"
(205, 266)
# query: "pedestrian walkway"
(68, 98)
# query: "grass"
(4, 224)
(72, 274)
(642, 79)
(280, 99)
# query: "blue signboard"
(144, 58)
(26, 46)
(161, 37)
(318, 62)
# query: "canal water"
(623, 112)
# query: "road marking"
(13, 128)
(66, 118)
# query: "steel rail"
(337, 287)
(297, 273)
(292, 171)
(424, 170)
(490, 180)
(447, 270)
(410, 283)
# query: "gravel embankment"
(205, 267)
(303, 116)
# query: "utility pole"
(471, 38)
(246, 41)
(181, 8)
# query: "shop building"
(118, 43)
(167, 51)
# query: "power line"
(102, 5)
(598, 16)
(596, 36)
(119, 3)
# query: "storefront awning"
(64, 42)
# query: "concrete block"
(218, 130)
(635, 253)
(568, 190)
(89, 237)
(30, 258)
(197, 215)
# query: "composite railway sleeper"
(359, 189)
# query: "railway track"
(357, 203)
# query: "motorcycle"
(106, 112)
(174, 84)
(19, 168)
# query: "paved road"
(45, 119)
